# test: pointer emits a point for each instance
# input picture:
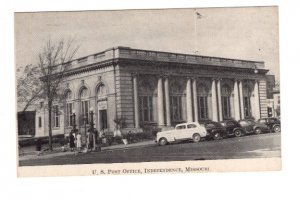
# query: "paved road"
(253, 146)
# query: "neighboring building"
(276, 97)
(158, 89)
(273, 97)
(26, 120)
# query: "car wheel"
(276, 129)
(238, 133)
(216, 136)
(196, 137)
(257, 131)
(162, 141)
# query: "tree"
(29, 88)
(43, 80)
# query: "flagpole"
(195, 30)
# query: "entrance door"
(103, 119)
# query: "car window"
(191, 126)
(262, 121)
(180, 127)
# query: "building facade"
(141, 88)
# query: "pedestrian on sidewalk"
(72, 140)
(78, 141)
(38, 146)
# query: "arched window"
(247, 101)
(202, 94)
(101, 91)
(84, 106)
(102, 106)
(69, 108)
(225, 93)
(176, 95)
(146, 92)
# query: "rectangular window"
(69, 120)
(180, 127)
(176, 108)
(84, 112)
(56, 116)
(226, 107)
(202, 107)
(40, 122)
(146, 108)
(247, 107)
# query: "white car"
(183, 131)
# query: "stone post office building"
(160, 89)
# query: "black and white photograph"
(147, 91)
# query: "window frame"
(202, 109)
(40, 122)
(176, 108)
(184, 127)
(56, 117)
(146, 108)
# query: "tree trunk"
(50, 124)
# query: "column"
(219, 100)
(189, 109)
(136, 102)
(160, 103)
(195, 100)
(77, 108)
(236, 101)
(256, 101)
(241, 96)
(167, 100)
(214, 101)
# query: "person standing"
(72, 141)
(78, 141)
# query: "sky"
(243, 33)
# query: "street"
(252, 146)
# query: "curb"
(35, 154)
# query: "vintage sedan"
(215, 130)
(273, 123)
(185, 131)
(230, 126)
(249, 126)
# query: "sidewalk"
(57, 151)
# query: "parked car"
(230, 126)
(185, 131)
(273, 123)
(214, 130)
(249, 126)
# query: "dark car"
(230, 126)
(249, 126)
(273, 123)
(214, 130)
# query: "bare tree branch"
(43, 80)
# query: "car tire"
(238, 133)
(276, 129)
(217, 136)
(257, 131)
(162, 141)
(196, 137)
